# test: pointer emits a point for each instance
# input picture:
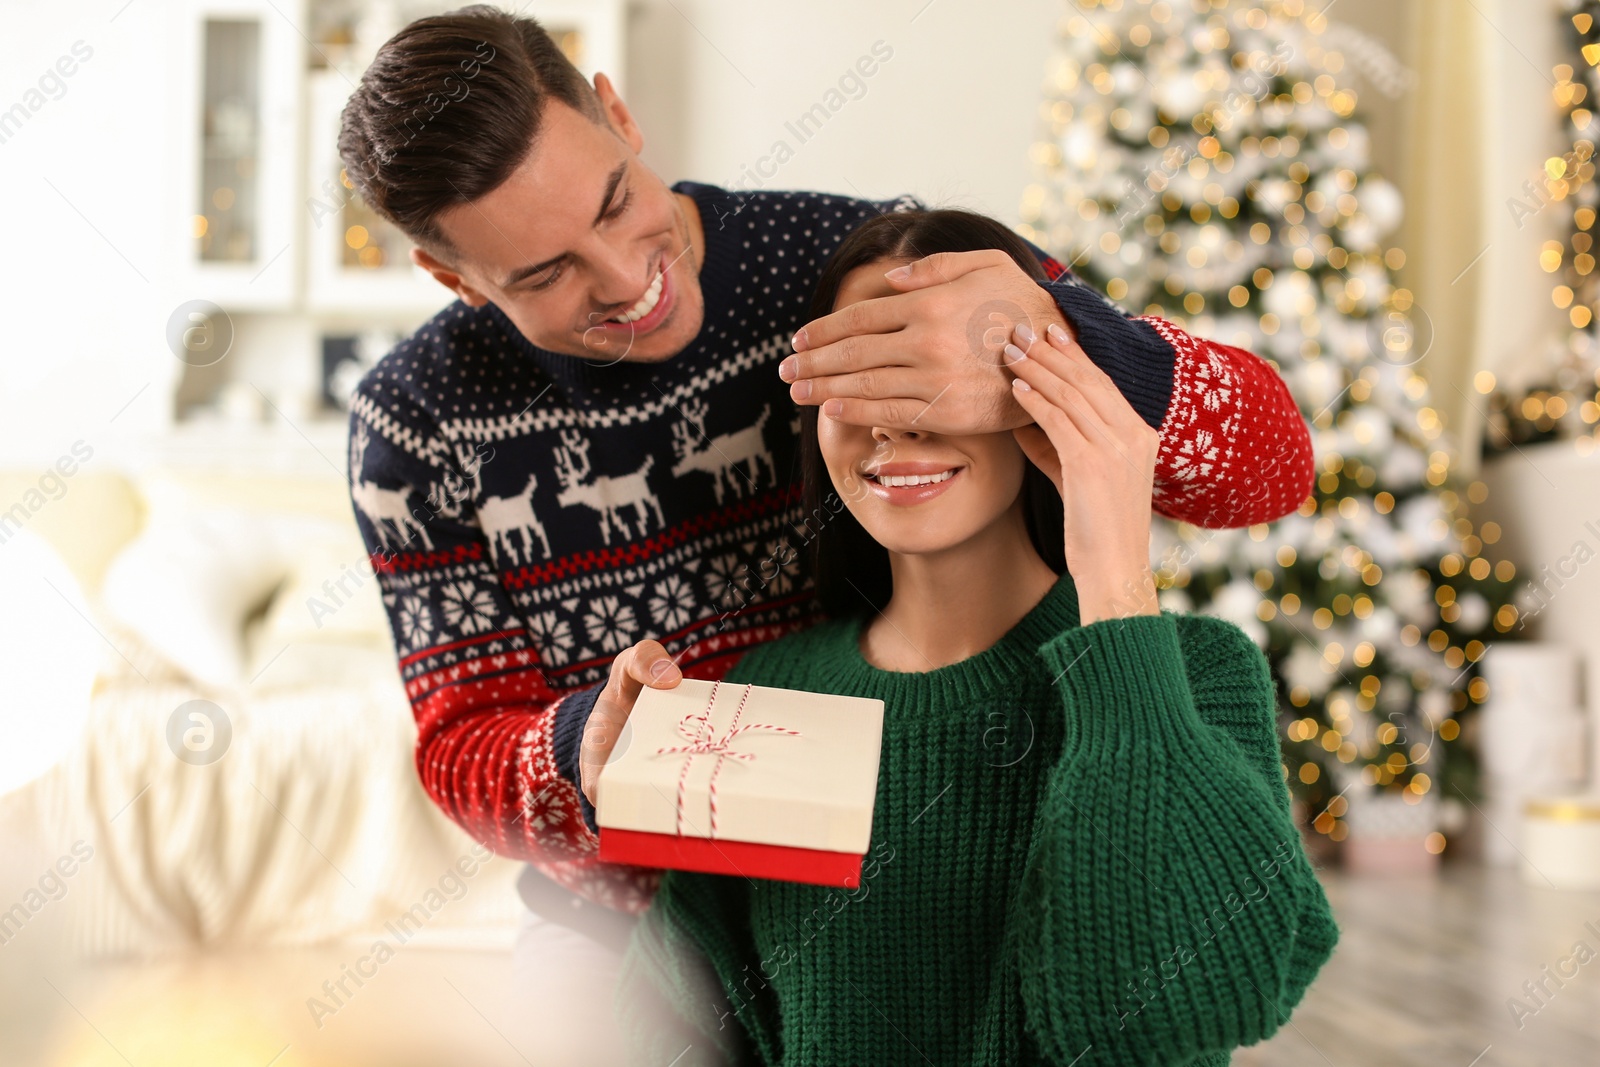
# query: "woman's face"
(916, 492)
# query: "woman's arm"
(1223, 707)
(1168, 910)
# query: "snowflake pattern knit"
(530, 514)
(1082, 853)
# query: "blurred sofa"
(239, 762)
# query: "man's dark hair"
(450, 106)
(851, 569)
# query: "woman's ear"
(1035, 444)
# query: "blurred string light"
(1563, 401)
(1199, 160)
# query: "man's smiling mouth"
(646, 304)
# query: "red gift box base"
(752, 859)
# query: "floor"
(1427, 969)
(1424, 975)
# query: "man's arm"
(489, 724)
(1235, 450)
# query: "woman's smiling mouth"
(910, 483)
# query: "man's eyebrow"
(612, 181)
(611, 191)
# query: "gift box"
(743, 779)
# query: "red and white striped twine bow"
(696, 728)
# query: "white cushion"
(187, 584)
(331, 594)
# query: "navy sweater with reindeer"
(530, 514)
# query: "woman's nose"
(890, 433)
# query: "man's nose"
(618, 274)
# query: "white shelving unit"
(262, 222)
(340, 232)
(239, 151)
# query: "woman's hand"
(643, 664)
(1102, 456)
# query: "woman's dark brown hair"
(851, 569)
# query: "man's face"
(583, 247)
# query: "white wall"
(84, 272)
(1522, 129)
(949, 117)
(1475, 122)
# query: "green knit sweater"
(1082, 853)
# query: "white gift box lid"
(1561, 841)
(813, 787)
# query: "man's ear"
(617, 113)
(448, 278)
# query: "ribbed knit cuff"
(566, 739)
(1313, 944)
(1122, 681)
(1136, 357)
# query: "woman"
(1082, 847)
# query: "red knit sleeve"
(1235, 449)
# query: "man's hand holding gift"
(726, 778)
(644, 664)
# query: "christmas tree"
(1199, 160)
(1563, 400)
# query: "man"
(596, 444)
